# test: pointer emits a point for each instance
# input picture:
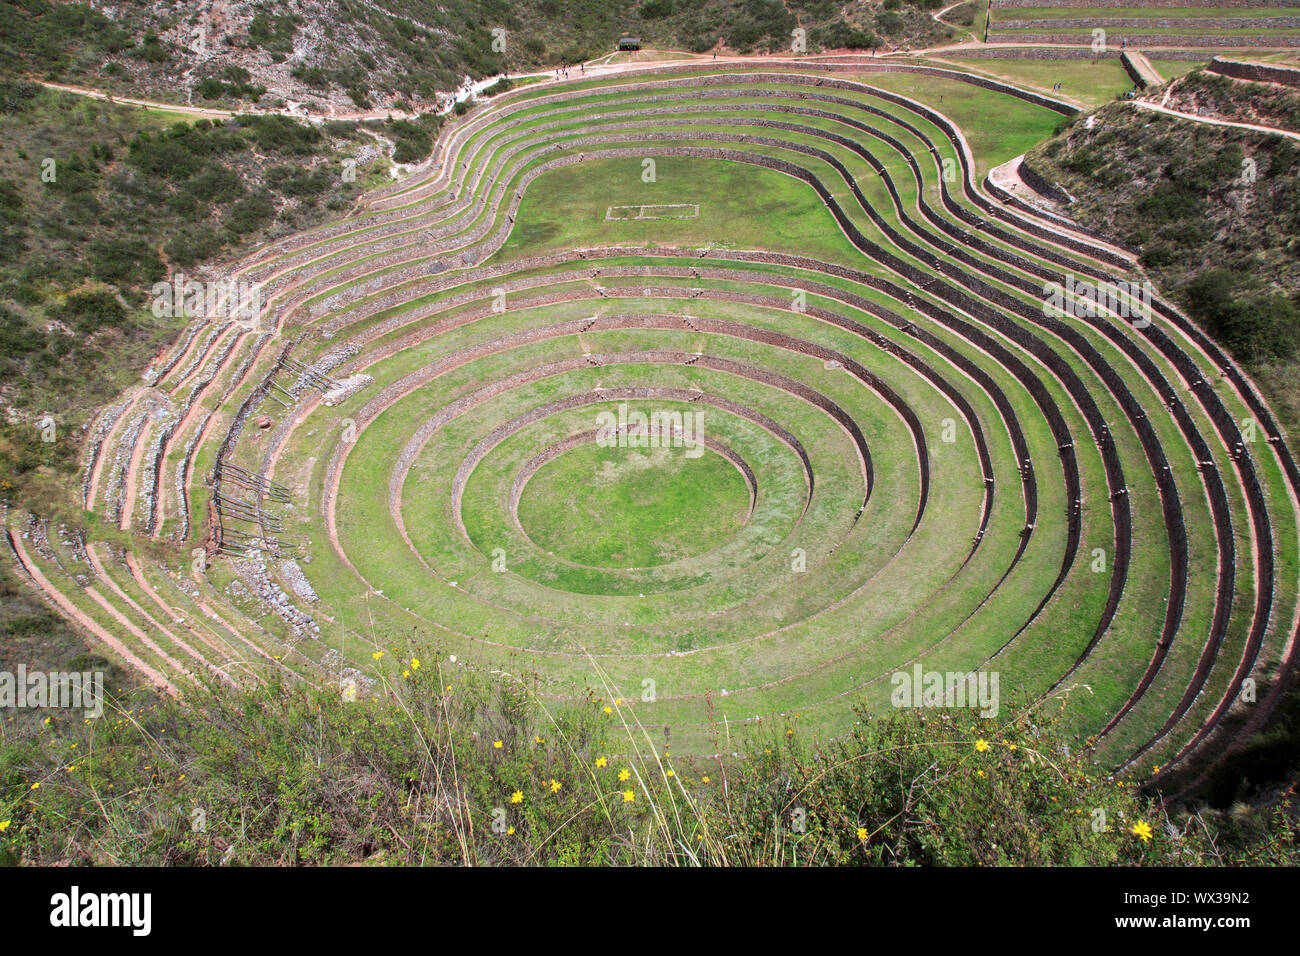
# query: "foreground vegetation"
(447, 766)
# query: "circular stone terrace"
(731, 383)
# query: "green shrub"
(344, 129)
(841, 35)
(151, 49)
(17, 338)
(124, 262)
(271, 32)
(214, 183)
(194, 245)
(249, 214)
(503, 85)
(413, 139)
(86, 312)
(766, 22)
(1254, 326)
(296, 182)
(312, 76)
(17, 95)
(890, 23)
(281, 134)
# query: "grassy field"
(604, 507)
(1172, 69)
(736, 209)
(996, 127)
(1086, 82)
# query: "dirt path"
(86, 624)
(128, 490)
(138, 573)
(203, 112)
(1192, 117)
(1148, 72)
(101, 568)
(1007, 176)
(938, 18)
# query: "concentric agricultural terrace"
(904, 460)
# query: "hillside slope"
(99, 201)
(335, 56)
(1214, 211)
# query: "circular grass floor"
(633, 507)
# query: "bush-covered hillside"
(1215, 212)
(1204, 93)
(99, 201)
(357, 54)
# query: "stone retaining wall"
(1042, 186)
(1210, 41)
(1139, 24)
(1060, 53)
(1256, 72)
(1097, 4)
